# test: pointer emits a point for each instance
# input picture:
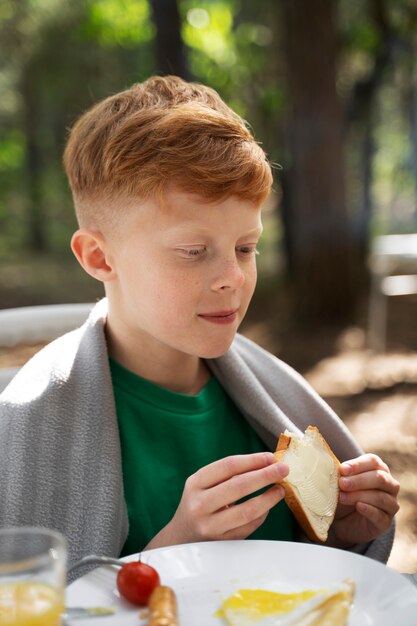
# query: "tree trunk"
(412, 106)
(361, 113)
(320, 235)
(365, 214)
(170, 55)
(36, 236)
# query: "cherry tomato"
(136, 581)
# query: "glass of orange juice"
(32, 576)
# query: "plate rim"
(397, 582)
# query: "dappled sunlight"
(387, 423)
(354, 371)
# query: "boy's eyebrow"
(194, 230)
(256, 232)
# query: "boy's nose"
(229, 276)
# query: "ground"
(374, 394)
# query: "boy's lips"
(220, 317)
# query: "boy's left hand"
(367, 501)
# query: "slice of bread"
(312, 485)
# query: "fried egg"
(259, 607)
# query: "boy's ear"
(90, 250)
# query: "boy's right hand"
(208, 509)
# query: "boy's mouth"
(219, 317)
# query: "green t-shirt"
(166, 437)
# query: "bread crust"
(291, 497)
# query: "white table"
(393, 267)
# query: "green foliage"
(7, 9)
(207, 31)
(227, 51)
(119, 22)
(11, 151)
(61, 56)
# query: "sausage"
(162, 607)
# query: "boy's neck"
(181, 373)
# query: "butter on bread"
(312, 485)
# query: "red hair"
(159, 132)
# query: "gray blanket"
(60, 460)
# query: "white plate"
(203, 574)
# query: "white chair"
(393, 267)
(34, 324)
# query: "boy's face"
(184, 274)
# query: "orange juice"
(30, 604)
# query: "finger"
(244, 485)
(363, 463)
(377, 499)
(230, 466)
(244, 531)
(378, 519)
(377, 479)
(248, 512)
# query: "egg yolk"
(259, 602)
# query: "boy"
(152, 425)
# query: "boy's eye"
(192, 252)
(248, 250)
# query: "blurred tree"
(56, 61)
(319, 236)
(361, 111)
(375, 77)
(169, 46)
(328, 87)
(36, 240)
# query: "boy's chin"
(215, 351)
